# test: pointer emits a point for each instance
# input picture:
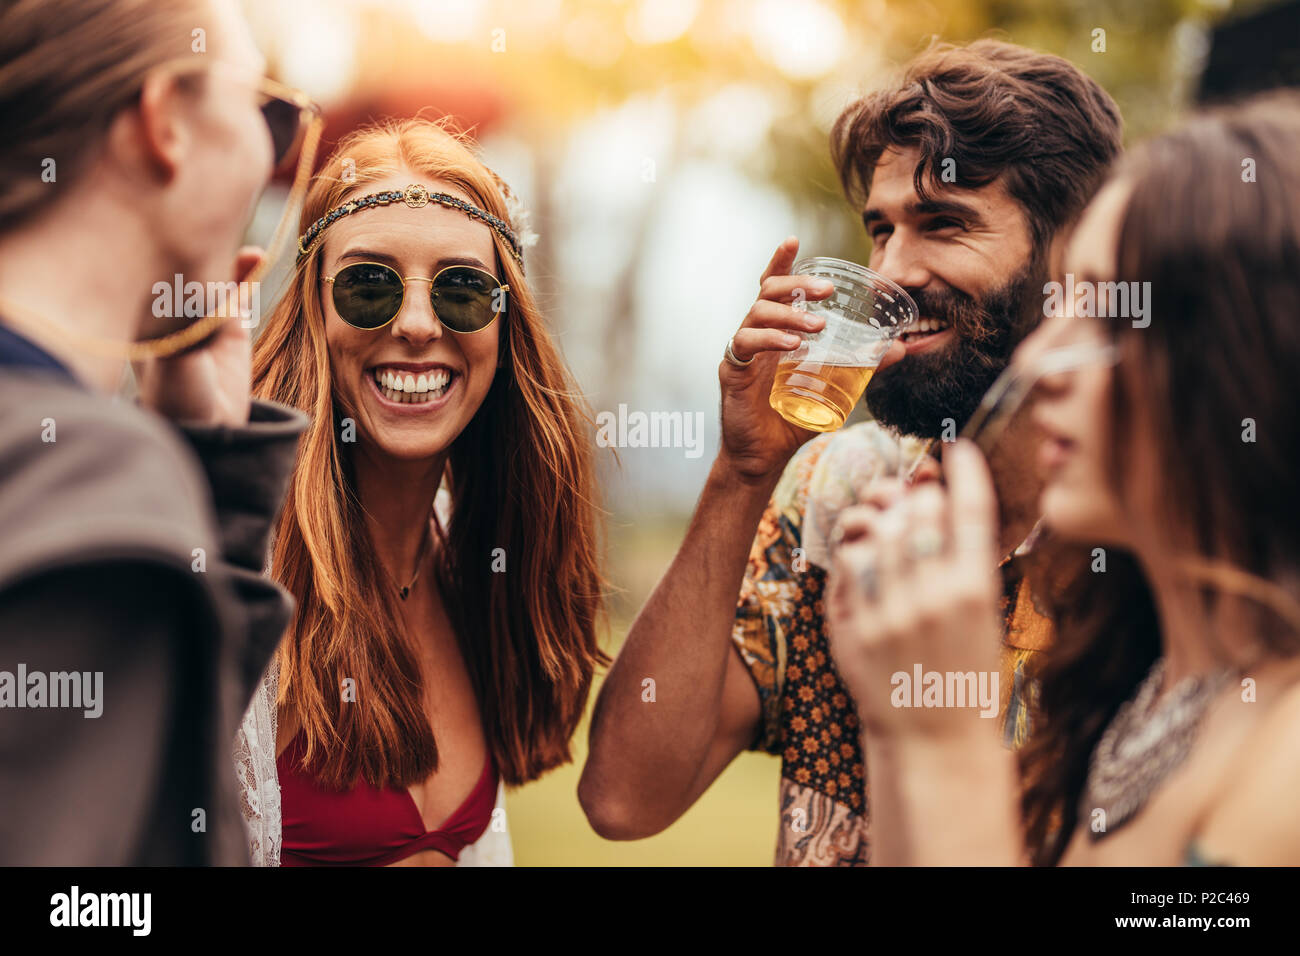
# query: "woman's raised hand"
(208, 384)
(913, 582)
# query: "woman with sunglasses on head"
(134, 621)
(444, 643)
(1169, 706)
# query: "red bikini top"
(367, 825)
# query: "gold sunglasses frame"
(309, 112)
(503, 286)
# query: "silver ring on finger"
(836, 538)
(925, 542)
(730, 356)
(869, 580)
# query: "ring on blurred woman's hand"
(836, 538)
(869, 580)
(925, 542)
(731, 356)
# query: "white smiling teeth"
(926, 327)
(409, 388)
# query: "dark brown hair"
(1213, 223)
(995, 109)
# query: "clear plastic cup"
(818, 384)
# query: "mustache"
(969, 319)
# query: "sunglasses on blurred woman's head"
(287, 112)
(368, 296)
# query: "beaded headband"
(414, 196)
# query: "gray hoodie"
(134, 622)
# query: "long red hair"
(521, 479)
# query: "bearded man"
(967, 172)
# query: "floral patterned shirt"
(807, 716)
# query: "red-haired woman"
(436, 653)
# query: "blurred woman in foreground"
(444, 641)
(133, 536)
(1170, 705)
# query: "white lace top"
(259, 782)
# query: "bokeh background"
(664, 148)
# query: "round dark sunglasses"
(368, 295)
(287, 113)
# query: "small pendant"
(404, 592)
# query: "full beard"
(932, 394)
